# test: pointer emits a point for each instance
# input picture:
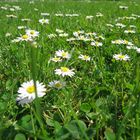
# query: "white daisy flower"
(123, 7)
(110, 25)
(57, 84)
(27, 92)
(99, 14)
(21, 27)
(25, 38)
(121, 57)
(8, 34)
(97, 44)
(129, 31)
(11, 16)
(64, 71)
(44, 21)
(89, 17)
(63, 54)
(64, 35)
(59, 31)
(52, 36)
(45, 14)
(25, 19)
(120, 25)
(71, 39)
(138, 50)
(32, 33)
(84, 57)
(59, 15)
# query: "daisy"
(27, 92)
(59, 15)
(63, 54)
(120, 25)
(25, 38)
(129, 31)
(121, 57)
(52, 36)
(123, 7)
(64, 71)
(59, 31)
(84, 57)
(21, 27)
(99, 15)
(25, 19)
(97, 44)
(138, 50)
(44, 21)
(11, 16)
(57, 84)
(32, 33)
(89, 17)
(64, 35)
(8, 34)
(45, 14)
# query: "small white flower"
(25, 38)
(44, 21)
(8, 34)
(45, 14)
(27, 92)
(32, 33)
(64, 71)
(59, 31)
(63, 54)
(97, 44)
(138, 50)
(11, 16)
(52, 36)
(121, 57)
(120, 25)
(21, 27)
(84, 57)
(129, 31)
(89, 17)
(64, 35)
(99, 15)
(59, 15)
(57, 84)
(123, 7)
(25, 19)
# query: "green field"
(69, 70)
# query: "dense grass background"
(100, 102)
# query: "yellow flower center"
(25, 36)
(32, 32)
(64, 69)
(58, 85)
(125, 41)
(43, 20)
(30, 89)
(64, 54)
(56, 59)
(86, 57)
(121, 56)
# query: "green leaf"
(85, 107)
(20, 136)
(109, 134)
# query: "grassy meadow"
(70, 70)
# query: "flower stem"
(33, 54)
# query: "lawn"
(69, 70)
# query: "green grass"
(100, 102)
